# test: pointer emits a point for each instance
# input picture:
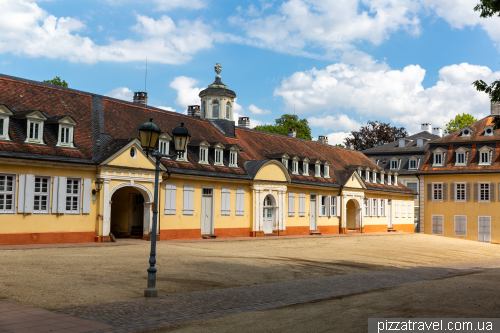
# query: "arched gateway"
(353, 215)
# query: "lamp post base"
(150, 292)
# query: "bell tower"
(217, 100)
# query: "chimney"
(292, 132)
(427, 127)
(323, 139)
(495, 108)
(194, 111)
(438, 131)
(141, 98)
(244, 122)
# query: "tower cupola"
(217, 100)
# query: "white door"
(389, 213)
(313, 218)
(267, 215)
(207, 212)
(484, 229)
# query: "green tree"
(460, 121)
(57, 82)
(285, 123)
(488, 8)
(374, 134)
(339, 145)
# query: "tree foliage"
(339, 145)
(374, 134)
(488, 8)
(460, 121)
(57, 82)
(285, 123)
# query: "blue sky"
(338, 63)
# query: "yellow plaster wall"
(139, 161)
(36, 223)
(271, 172)
(471, 209)
(353, 183)
(383, 220)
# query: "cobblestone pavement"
(166, 310)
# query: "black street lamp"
(149, 133)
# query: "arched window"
(204, 110)
(215, 109)
(228, 110)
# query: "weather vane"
(218, 69)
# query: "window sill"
(484, 164)
(437, 165)
(65, 145)
(437, 200)
(37, 142)
(484, 201)
(460, 235)
(203, 162)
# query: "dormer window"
(233, 158)
(438, 158)
(394, 164)
(318, 170)
(327, 171)
(485, 155)
(420, 142)
(295, 167)
(402, 143)
(182, 157)
(367, 176)
(164, 146)
(396, 180)
(5, 114)
(203, 155)
(218, 157)
(305, 166)
(285, 162)
(382, 178)
(466, 132)
(461, 157)
(488, 131)
(35, 131)
(389, 177)
(374, 176)
(413, 164)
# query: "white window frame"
(39, 139)
(455, 225)
(73, 195)
(219, 157)
(413, 161)
(382, 207)
(403, 208)
(42, 194)
(396, 167)
(464, 189)
(285, 162)
(183, 157)
(374, 203)
(66, 143)
(333, 205)
(233, 158)
(164, 146)
(367, 176)
(295, 167)
(305, 166)
(433, 216)
(302, 204)
(225, 201)
(12, 193)
(396, 208)
(416, 184)
(5, 128)
(436, 188)
(317, 170)
(374, 176)
(438, 159)
(389, 178)
(203, 155)
(326, 170)
(366, 206)
(484, 157)
(479, 194)
(466, 129)
(488, 128)
(458, 163)
(323, 205)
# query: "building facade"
(56, 143)
(460, 180)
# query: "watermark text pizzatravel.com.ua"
(422, 325)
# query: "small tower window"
(218, 156)
(228, 110)
(204, 110)
(215, 109)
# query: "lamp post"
(149, 133)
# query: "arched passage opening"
(353, 215)
(127, 213)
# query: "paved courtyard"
(215, 281)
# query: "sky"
(337, 63)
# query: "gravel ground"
(56, 277)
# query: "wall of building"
(400, 221)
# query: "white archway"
(270, 204)
(353, 219)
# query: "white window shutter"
(87, 183)
(403, 208)
(409, 209)
(291, 204)
(320, 204)
(302, 204)
(386, 207)
(396, 206)
(21, 193)
(170, 196)
(29, 194)
(61, 195)
(379, 210)
(328, 206)
(225, 201)
(370, 207)
(188, 200)
(337, 208)
(240, 202)
(55, 195)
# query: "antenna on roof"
(146, 77)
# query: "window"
(438, 158)
(333, 206)
(460, 159)
(225, 201)
(164, 146)
(484, 157)
(204, 110)
(437, 191)
(240, 202)
(413, 186)
(306, 168)
(374, 207)
(302, 204)
(218, 157)
(409, 209)
(327, 171)
(394, 164)
(484, 229)
(323, 204)
(382, 207)
(437, 224)
(460, 225)
(317, 171)
(374, 177)
(187, 203)
(203, 155)
(41, 196)
(215, 109)
(420, 142)
(132, 152)
(4, 128)
(466, 132)
(367, 176)
(35, 131)
(403, 208)
(65, 136)
(291, 204)
(484, 192)
(389, 179)
(285, 162)
(396, 208)
(460, 192)
(72, 196)
(233, 158)
(228, 110)
(170, 196)
(7, 194)
(365, 207)
(413, 164)
(488, 131)
(295, 167)
(182, 157)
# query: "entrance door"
(207, 227)
(484, 229)
(267, 215)
(313, 217)
(389, 213)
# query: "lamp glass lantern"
(181, 138)
(98, 186)
(149, 133)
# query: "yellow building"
(460, 179)
(58, 144)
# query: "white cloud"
(186, 93)
(255, 110)
(166, 108)
(28, 29)
(172, 4)
(375, 92)
(340, 122)
(337, 138)
(122, 93)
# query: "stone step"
(391, 230)
(315, 233)
(271, 234)
(209, 236)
